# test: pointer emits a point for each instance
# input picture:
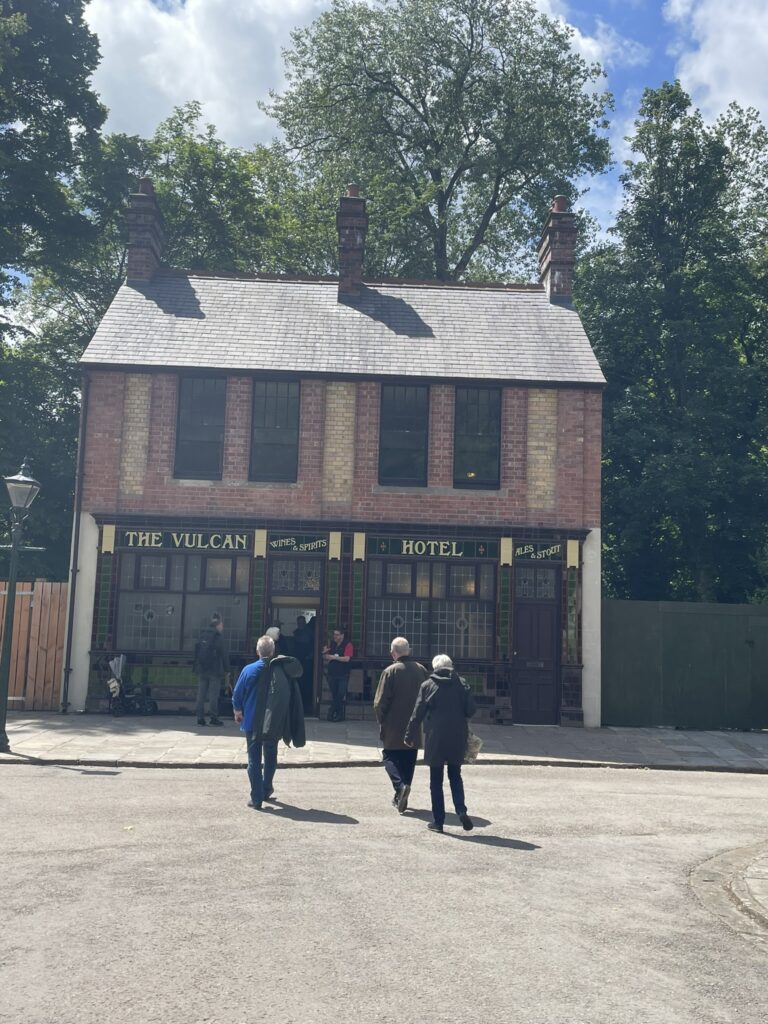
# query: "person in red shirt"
(337, 657)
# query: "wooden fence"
(37, 654)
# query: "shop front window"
(437, 606)
(164, 601)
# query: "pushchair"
(124, 697)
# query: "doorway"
(294, 591)
(536, 658)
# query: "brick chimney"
(145, 233)
(557, 253)
(352, 225)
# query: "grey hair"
(273, 633)
(265, 646)
(441, 661)
(400, 646)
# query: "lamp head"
(22, 488)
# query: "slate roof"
(399, 330)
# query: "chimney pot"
(557, 253)
(352, 227)
(145, 233)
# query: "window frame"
(462, 483)
(401, 481)
(266, 478)
(181, 472)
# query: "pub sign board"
(552, 552)
(185, 540)
(432, 547)
(297, 543)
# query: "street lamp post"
(22, 490)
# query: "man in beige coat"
(393, 706)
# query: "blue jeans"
(261, 783)
(436, 790)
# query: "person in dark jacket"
(444, 706)
(393, 706)
(267, 704)
(211, 666)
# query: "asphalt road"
(157, 896)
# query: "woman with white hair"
(444, 706)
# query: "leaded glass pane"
(462, 581)
(152, 571)
(127, 571)
(218, 574)
(231, 608)
(439, 573)
(375, 573)
(524, 581)
(545, 584)
(463, 629)
(177, 572)
(149, 621)
(399, 578)
(391, 617)
(194, 569)
(422, 579)
(242, 575)
(487, 589)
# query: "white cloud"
(225, 53)
(721, 52)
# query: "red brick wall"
(577, 459)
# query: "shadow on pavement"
(450, 819)
(509, 844)
(283, 810)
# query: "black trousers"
(436, 790)
(400, 766)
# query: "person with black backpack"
(211, 665)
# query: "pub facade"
(398, 458)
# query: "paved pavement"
(138, 896)
(177, 741)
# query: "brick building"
(411, 458)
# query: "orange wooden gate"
(37, 654)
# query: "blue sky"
(226, 53)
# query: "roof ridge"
(330, 279)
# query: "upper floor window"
(403, 435)
(477, 437)
(200, 428)
(275, 431)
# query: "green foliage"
(460, 119)
(676, 308)
(48, 117)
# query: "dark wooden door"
(535, 660)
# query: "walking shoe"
(256, 807)
(402, 798)
(466, 822)
(268, 794)
(216, 721)
(201, 721)
(434, 827)
(396, 798)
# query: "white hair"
(265, 646)
(273, 633)
(400, 646)
(441, 661)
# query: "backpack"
(205, 653)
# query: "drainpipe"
(75, 542)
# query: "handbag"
(474, 746)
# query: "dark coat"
(395, 700)
(280, 709)
(443, 706)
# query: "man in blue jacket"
(267, 704)
(249, 702)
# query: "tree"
(460, 118)
(677, 308)
(48, 116)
